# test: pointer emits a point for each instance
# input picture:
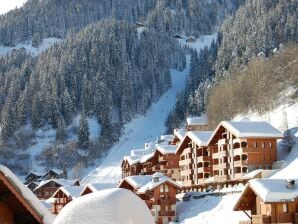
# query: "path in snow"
(138, 130)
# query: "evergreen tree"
(83, 140)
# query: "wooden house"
(166, 161)
(32, 185)
(159, 193)
(196, 123)
(53, 174)
(242, 147)
(63, 196)
(47, 188)
(95, 187)
(33, 177)
(195, 159)
(18, 204)
(269, 201)
(131, 166)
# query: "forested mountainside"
(257, 28)
(38, 19)
(54, 18)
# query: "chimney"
(155, 178)
(290, 184)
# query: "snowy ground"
(204, 40)
(7, 5)
(46, 43)
(210, 210)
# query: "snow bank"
(111, 206)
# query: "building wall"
(6, 215)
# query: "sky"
(6, 5)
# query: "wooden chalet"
(63, 196)
(47, 188)
(18, 204)
(131, 166)
(166, 161)
(53, 174)
(196, 123)
(159, 193)
(269, 201)
(32, 185)
(33, 177)
(195, 159)
(242, 147)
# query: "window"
(270, 144)
(255, 145)
(263, 144)
(285, 208)
(166, 188)
(161, 188)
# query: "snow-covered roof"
(27, 194)
(145, 158)
(179, 133)
(71, 191)
(161, 180)
(201, 138)
(137, 181)
(141, 152)
(244, 129)
(61, 182)
(57, 171)
(112, 206)
(273, 190)
(38, 174)
(94, 187)
(132, 159)
(197, 120)
(166, 149)
(166, 138)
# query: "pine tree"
(83, 141)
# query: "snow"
(210, 210)
(138, 181)
(94, 127)
(289, 171)
(201, 138)
(166, 149)
(254, 173)
(28, 195)
(73, 191)
(61, 182)
(244, 129)
(197, 120)
(273, 190)
(200, 43)
(7, 5)
(94, 187)
(112, 206)
(179, 133)
(46, 43)
(157, 182)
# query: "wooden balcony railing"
(166, 213)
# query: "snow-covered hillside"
(46, 43)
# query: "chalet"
(33, 177)
(32, 185)
(166, 161)
(242, 147)
(191, 40)
(63, 196)
(95, 187)
(195, 159)
(47, 188)
(159, 193)
(18, 204)
(196, 123)
(53, 174)
(269, 201)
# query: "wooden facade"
(158, 192)
(47, 188)
(278, 210)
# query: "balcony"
(166, 213)
(203, 158)
(220, 154)
(185, 162)
(260, 219)
(223, 141)
(204, 169)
